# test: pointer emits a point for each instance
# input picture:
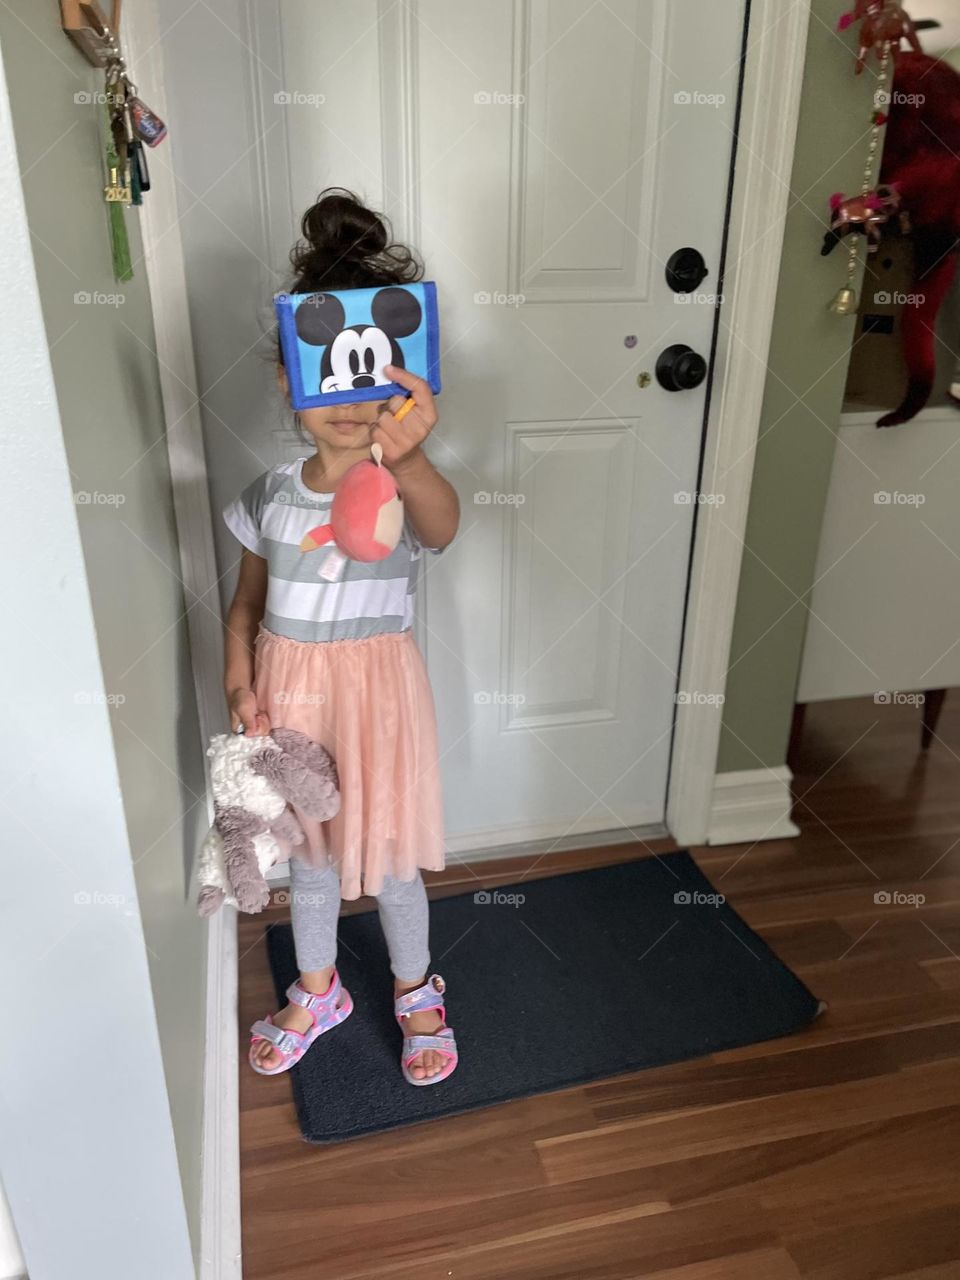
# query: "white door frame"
(769, 112)
(164, 264)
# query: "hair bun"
(345, 245)
(339, 223)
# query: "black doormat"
(550, 983)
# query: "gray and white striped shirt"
(271, 516)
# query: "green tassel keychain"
(117, 196)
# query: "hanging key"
(139, 173)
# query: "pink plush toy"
(366, 518)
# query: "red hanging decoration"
(919, 183)
(883, 25)
(922, 156)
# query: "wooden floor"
(833, 1154)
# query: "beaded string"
(847, 296)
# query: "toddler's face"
(342, 426)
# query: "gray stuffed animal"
(254, 780)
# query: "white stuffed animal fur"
(253, 780)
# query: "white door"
(547, 157)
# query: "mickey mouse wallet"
(335, 344)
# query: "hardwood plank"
(848, 979)
(761, 1264)
(609, 1246)
(853, 902)
(940, 1271)
(410, 1216)
(642, 1141)
(944, 971)
(863, 1019)
(876, 1171)
(711, 1082)
(875, 1250)
(873, 1170)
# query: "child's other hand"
(401, 441)
(244, 711)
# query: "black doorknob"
(680, 368)
(686, 270)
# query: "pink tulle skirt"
(369, 702)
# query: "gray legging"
(315, 906)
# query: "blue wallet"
(335, 344)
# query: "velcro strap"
(429, 996)
(311, 1001)
(284, 1040)
(413, 1045)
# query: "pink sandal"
(327, 1011)
(429, 996)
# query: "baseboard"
(751, 805)
(12, 1264)
(535, 837)
(469, 852)
(220, 1209)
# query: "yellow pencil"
(405, 408)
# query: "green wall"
(807, 367)
(107, 382)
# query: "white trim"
(505, 841)
(751, 805)
(398, 34)
(774, 74)
(166, 275)
(220, 1206)
(12, 1263)
(573, 842)
(262, 38)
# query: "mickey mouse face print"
(336, 344)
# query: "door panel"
(561, 654)
(578, 204)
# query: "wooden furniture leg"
(932, 706)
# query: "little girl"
(337, 660)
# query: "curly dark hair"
(345, 245)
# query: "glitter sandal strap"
(319, 1005)
(442, 1042)
(284, 1039)
(429, 996)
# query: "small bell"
(845, 303)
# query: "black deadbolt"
(686, 270)
(679, 368)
